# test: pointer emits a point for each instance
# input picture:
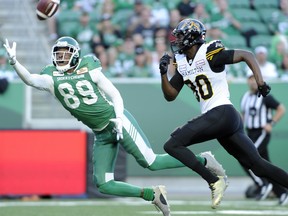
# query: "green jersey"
(80, 95)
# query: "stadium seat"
(120, 19)
(237, 70)
(264, 40)
(266, 4)
(65, 28)
(245, 14)
(259, 27)
(68, 15)
(266, 14)
(239, 4)
(235, 42)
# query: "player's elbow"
(169, 97)
(171, 94)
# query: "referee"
(260, 114)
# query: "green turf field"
(130, 207)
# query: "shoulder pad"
(91, 61)
(90, 58)
(48, 69)
(213, 48)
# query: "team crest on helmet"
(195, 26)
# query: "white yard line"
(225, 212)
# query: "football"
(46, 8)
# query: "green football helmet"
(70, 53)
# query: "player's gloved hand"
(118, 127)
(264, 90)
(164, 62)
(11, 51)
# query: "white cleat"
(212, 164)
(160, 200)
(217, 190)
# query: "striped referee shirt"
(257, 111)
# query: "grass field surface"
(200, 206)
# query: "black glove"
(164, 62)
(264, 90)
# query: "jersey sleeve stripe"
(210, 54)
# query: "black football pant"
(223, 123)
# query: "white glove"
(118, 127)
(11, 51)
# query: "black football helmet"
(60, 57)
(187, 33)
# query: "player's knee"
(107, 187)
(170, 145)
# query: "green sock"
(202, 160)
(148, 194)
(165, 161)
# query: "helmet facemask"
(65, 56)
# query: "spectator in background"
(284, 67)
(135, 18)
(108, 32)
(107, 7)
(260, 115)
(268, 69)
(84, 32)
(146, 28)
(175, 18)
(160, 14)
(52, 21)
(86, 5)
(279, 45)
(100, 52)
(200, 13)
(142, 65)
(186, 8)
(215, 33)
(161, 32)
(223, 19)
(279, 21)
(124, 63)
(68, 5)
(160, 48)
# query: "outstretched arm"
(235, 56)
(249, 58)
(42, 82)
